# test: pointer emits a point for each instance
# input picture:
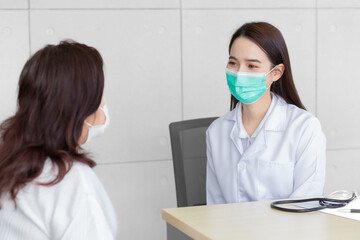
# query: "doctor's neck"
(253, 114)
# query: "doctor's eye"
(232, 63)
(251, 66)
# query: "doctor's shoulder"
(303, 122)
(223, 124)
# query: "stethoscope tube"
(324, 203)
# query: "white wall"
(164, 62)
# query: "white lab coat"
(286, 159)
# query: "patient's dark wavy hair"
(270, 39)
(59, 86)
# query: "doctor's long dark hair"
(59, 86)
(270, 39)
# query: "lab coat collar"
(276, 121)
(277, 118)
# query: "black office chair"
(188, 145)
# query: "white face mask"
(97, 130)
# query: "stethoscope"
(324, 202)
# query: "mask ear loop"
(88, 124)
(102, 109)
(267, 74)
(271, 70)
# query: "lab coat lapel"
(257, 146)
(276, 122)
(277, 119)
(234, 134)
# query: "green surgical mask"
(245, 86)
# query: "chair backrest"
(188, 144)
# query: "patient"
(48, 189)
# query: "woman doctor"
(268, 146)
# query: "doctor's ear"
(278, 72)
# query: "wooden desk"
(256, 220)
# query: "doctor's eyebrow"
(253, 60)
(247, 60)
